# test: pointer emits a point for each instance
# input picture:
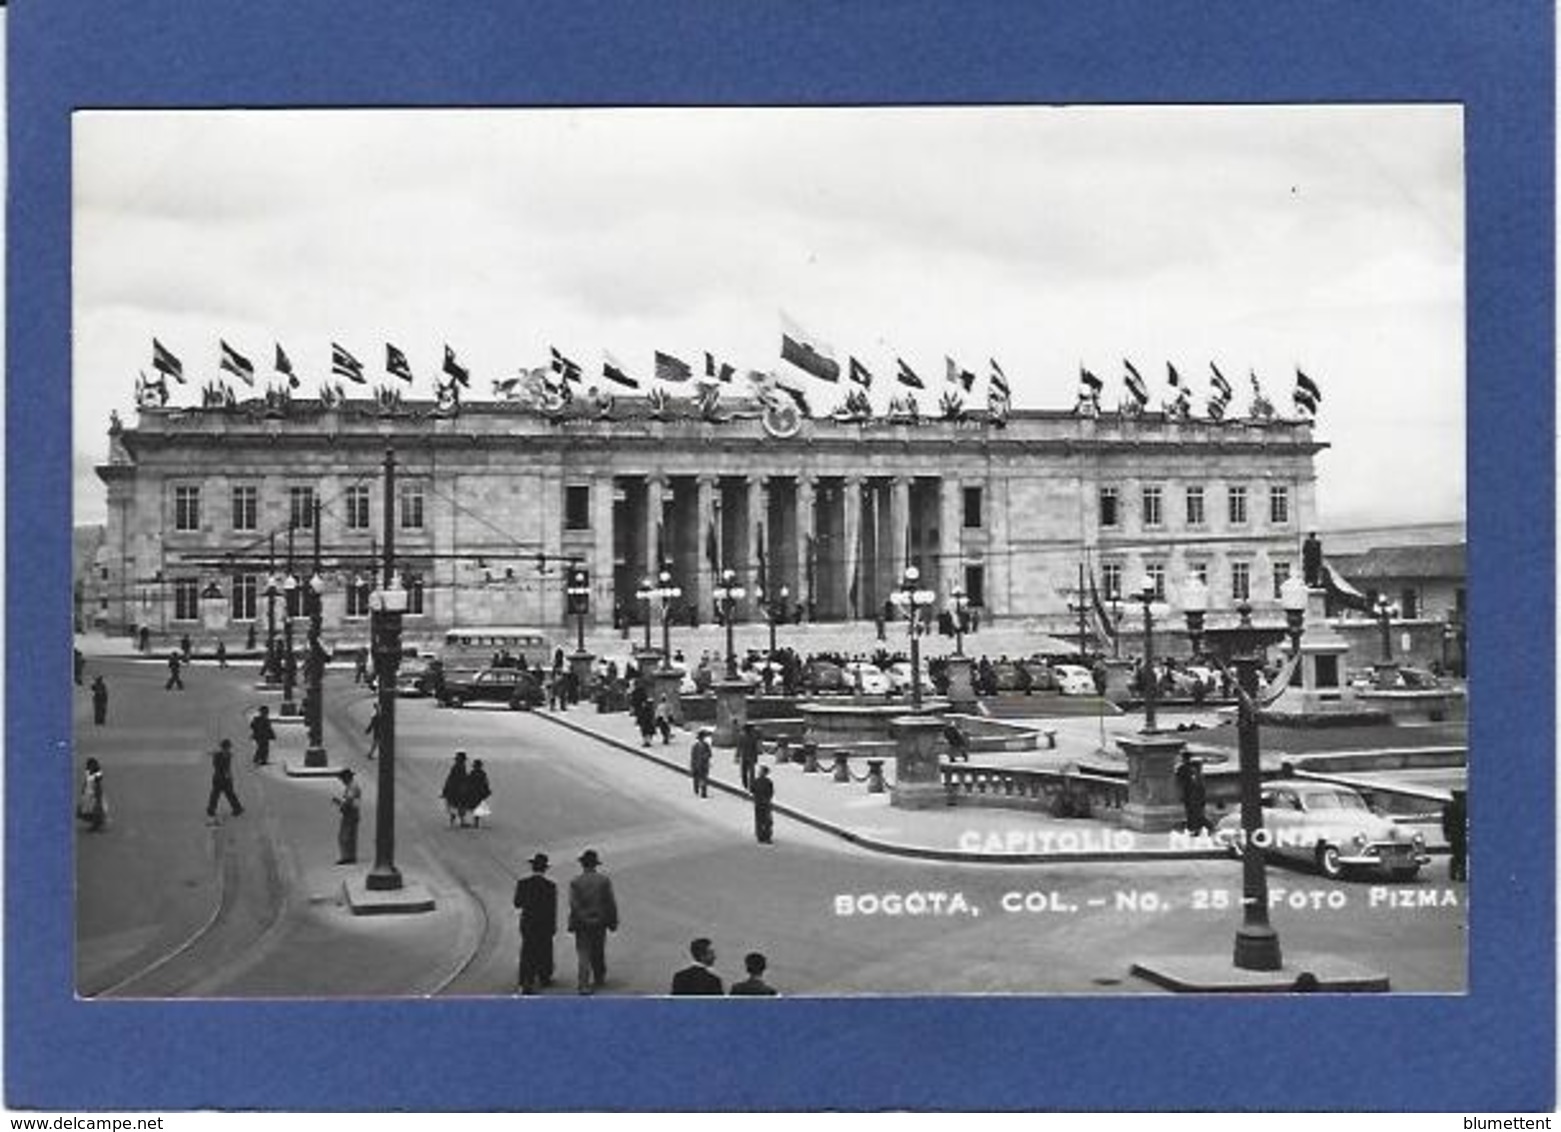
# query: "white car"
(900, 678)
(1073, 680)
(1329, 826)
(867, 678)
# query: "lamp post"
(579, 594)
(1383, 610)
(666, 593)
(1150, 682)
(774, 612)
(268, 669)
(957, 597)
(289, 661)
(1242, 646)
(314, 671)
(647, 593)
(912, 600)
(728, 594)
(386, 605)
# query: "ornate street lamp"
(728, 594)
(578, 593)
(1147, 594)
(912, 600)
(269, 671)
(314, 669)
(957, 599)
(774, 612)
(385, 609)
(289, 661)
(647, 594)
(666, 593)
(1242, 647)
(1384, 611)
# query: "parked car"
(867, 678)
(1331, 827)
(1074, 680)
(899, 674)
(418, 678)
(824, 676)
(515, 687)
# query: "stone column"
(758, 517)
(951, 570)
(655, 491)
(851, 493)
(702, 591)
(806, 528)
(601, 564)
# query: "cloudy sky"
(1261, 238)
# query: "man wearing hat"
(593, 912)
(537, 899)
(699, 763)
(350, 803)
(222, 780)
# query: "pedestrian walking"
(747, 753)
(454, 791)
(249, 638)
(99, 701)
(1189, 776)
(372, 730)
(175, 664)
(537, 899)
(144, 639)
(222, 780)
(699, 763)
(92, 806)
(697, 977)
(593, 912)
(1455, 827)
(80, 666)
(222, 654)
(478, 791)
(754, 963)
(664, 718)
(645, 720)
(360, 665)
(262, 732)
(349, 803)
(764, 807)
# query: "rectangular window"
(412, 507)
(975, 586)
(246, 507)
(186, 599)
(972, 508)
(1156, 572)
(300, 508)
(1108, 507)
(358, 599)
(186, 508)
(1240, 581)
(1195, 506)
(414, 585)
(1111, 581)
(577, 507)
(1278, 505)
(1281, 576)
(358, 508)
(1238, 506)
(246, 590)
(1409, 603)
(1152, 512)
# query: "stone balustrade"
(970, 784)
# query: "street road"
(834, 920)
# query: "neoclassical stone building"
(201, 501)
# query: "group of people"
(466, 792)
(699, 978)
(755, 779)
(652, 718)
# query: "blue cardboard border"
(1491, 1049)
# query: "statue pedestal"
(1119, 675)
(1154, 803)
(580, 665)
(731, 711)
(646, 662)
(667, 682)
(962, 689)
(918, 769)
(1322, 688)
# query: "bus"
(477, 647)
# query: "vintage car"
(899, 674)
(419, 677)
(1074, 680)
(866, 677)
(824, 676)
(516, 688)
(1330, 826)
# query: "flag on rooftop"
(724, 372)
(1135, 383)
(164, 362)
(799, 349)
(396, 363)
(957, 375)
(1090, 381)
(861, 374)
(999, 380)
(566, 368)
(343, 364)
(613, 371)
(237, 364)
(1172, 376)
(284, 365)
(672, 369)
(907, 376)
(1306, 384)
(1219, 382)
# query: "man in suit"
(763, 791)
(754, 963)
(537, 899)
(261, 731)
(699, 763)
(698, 978)
(593, 912)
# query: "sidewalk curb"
(892, 848)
